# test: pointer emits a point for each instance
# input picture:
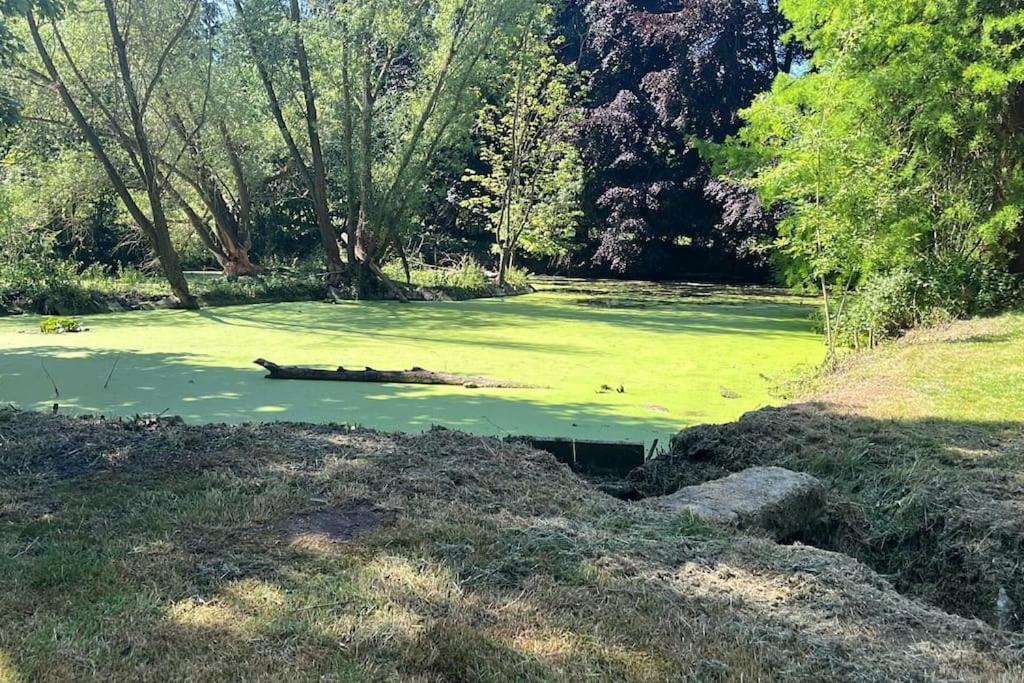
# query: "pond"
(610, 361)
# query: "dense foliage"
(528, 188)
(662, 74)
(896, 156)
(266, 130)
(868, 150)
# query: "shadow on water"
(681, 362)
(182, 384)
(433, 321)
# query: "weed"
(55, 325)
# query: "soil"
(342, 523)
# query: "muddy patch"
(335, 525)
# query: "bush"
(885, 305)
(467, 275)
(965, 288)
(890, 303)
(517, 277)
(271, 287)
(45, 283)
(29, 269)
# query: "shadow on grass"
(185, 385)
(166, 558)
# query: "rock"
(777, 500)
(113, 306)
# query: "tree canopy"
(662, 74)
(868, 150)
(895, 155)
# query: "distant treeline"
(867, 150)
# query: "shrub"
(271, 287)
(517, 277)
(890, 303)
(468, 274)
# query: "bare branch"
(165, 54)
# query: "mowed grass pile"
(922, 444)
(152, 550)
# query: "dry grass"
(922, 444)
(154, 551)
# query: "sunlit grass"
(969, 371)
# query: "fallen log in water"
(413, 376)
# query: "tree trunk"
(229, 242)
(230, 233)
(241, 185)
(335, 268)
(364, 250)
(170, 264)
(315, 178)
(504, 263)
(413, 376)
(356, 280)
(241, 266)
(405, 261)
(165, 252)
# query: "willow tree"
(411, 82)
(219, 164)
(9, 49)
(399, 79)
(274, 34)
(108, 95)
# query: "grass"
(152, 550)
(922, 443)
(681, 355)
